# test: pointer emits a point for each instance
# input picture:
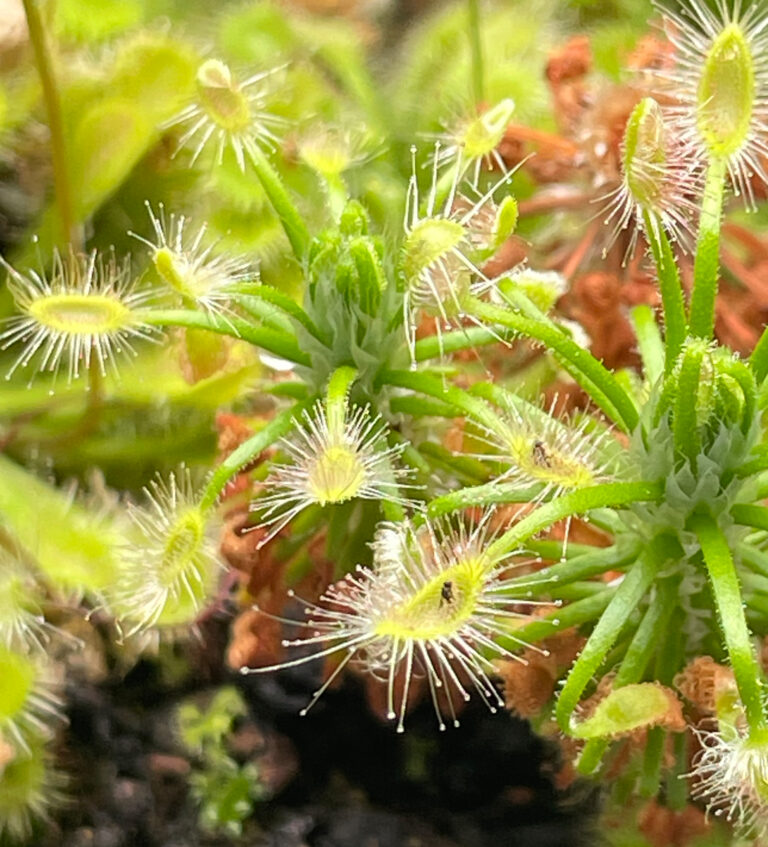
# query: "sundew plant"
(464, 531)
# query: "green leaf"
(109, 140)
(200, 726)
(156, 74)
(80, 21)
(506, 221)
(71, 547)
(630, 708)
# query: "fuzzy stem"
(575, 503)
(685, 422)
(267, 314)
(248, 451)
(574, 614)
(707, 262)
(69, 230)
(646, 638)
(576, 590)
(635, 661)
(729, 604)
(488, 494)
(277, 298)
(649, 342)
(629, 593)
(548, 548)
(291, 220)
(476, 49)
(667, 665)
(592, 375)
(584, 566)
(279, 343)
(459, 339)
(675, 324)
(743, 375)
(432, 387)
(336, 397)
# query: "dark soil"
(339, 777)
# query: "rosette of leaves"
(224, 790)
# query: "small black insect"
(446, 592)
(540, 454)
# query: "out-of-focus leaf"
(110, 139)
(89, 22)
(156, 74)
(72, 549)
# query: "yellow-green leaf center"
(726, 93)
(336, 475)
(80, 314)
(222, 98)
(440, 607)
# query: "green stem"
(248, 451)
(685, 422)
(675, 324)
(758, 359)
(472, 470)
(652, 759)
(277, 298)
(292, 388)
(667, 664)
(729, 604)
(753, 558)
(635, 661)
(432, 387)
(574, 614)
(291, 220)
(754, 582)
(646, 639)
(488, 494)
(420, 407)
(577, 590)
(410, 454)
(476, 50)
(546, 548)
(279, 343)
(336, 397)
(706, 266)
(677, 789)
(753, 467)
(267, 314)
(750, 515)
(743, 375)
(517, 406)
(592, 375)
(649, 342)
(575, 503)
(69, 230)
(434, 346)
(628, 595)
